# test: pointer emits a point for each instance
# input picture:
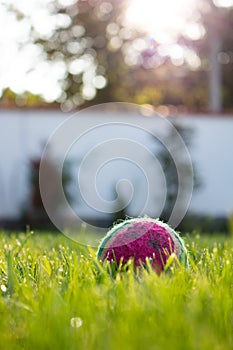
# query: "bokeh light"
(163, 20)
(25, 64)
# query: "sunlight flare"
(163, 20)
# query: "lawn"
(55, 295)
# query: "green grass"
(55, 295)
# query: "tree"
(94, 47)
(34, 211)
(166, 160)
(214, 49)
(103, 59)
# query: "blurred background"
(61, 56)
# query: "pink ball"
(139, 239)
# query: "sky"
(23, 65)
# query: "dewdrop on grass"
(76, 322)
(3, 288)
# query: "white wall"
(212, 152)
(23, 133)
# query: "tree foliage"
(94, 47)
(217, 23)
(105, 59)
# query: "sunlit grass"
(55, 295)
